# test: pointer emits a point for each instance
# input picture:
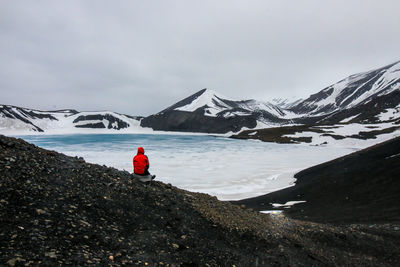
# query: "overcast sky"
(138, 57)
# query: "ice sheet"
(227, 168)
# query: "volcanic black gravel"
(59, 210)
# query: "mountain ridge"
(70, 120)
(331, 105)
(359, 98)
(348, 92)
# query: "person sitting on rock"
(141, 164)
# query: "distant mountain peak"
(352, 91)
(209, 111)
(211, 101)
(205, 98)
(213, 104)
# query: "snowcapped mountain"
(367, 97)
(362, 107)
(208, 111)
(22, 120)
(371, 97)
(355, 90)
(213, 104)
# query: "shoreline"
(232, 196)
(236, 185)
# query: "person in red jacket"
(141, 163)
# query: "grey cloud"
(137, 57)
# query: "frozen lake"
(226, 168)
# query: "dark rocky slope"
(363, 187)
(183, 121)
(58, 210)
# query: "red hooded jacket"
(140, 162)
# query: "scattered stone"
(12, 262)
(51, 254)
(40, 211)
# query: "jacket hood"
(140, 150)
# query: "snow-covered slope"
(210, 103)
(286, 103)
(355, 90)
(17, 120)
(208, 111)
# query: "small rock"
(85, 223)
(40, 211)
(51, 254)
(12, 262)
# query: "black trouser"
(146, 172)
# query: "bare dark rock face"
(58, 210)
(182, 121)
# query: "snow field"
(348, 130)
(226, 168)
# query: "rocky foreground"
(59, 210)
